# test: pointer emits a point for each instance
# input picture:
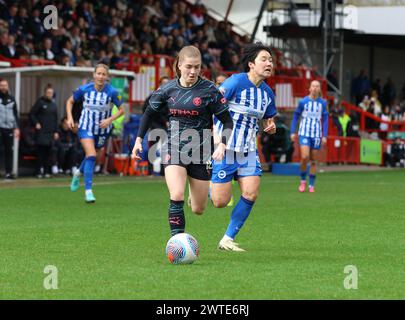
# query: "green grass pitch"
(298, 245)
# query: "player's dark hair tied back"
(250, 52)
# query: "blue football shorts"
(312, 143)
(235, 165)
(99, 139)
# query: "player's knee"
(250, 195)
(177, 196)
(220, 202)
(304, 158)
(199, 210)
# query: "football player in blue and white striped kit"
(250, 99)
(312, 132)
(95, 124)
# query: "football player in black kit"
(191, 102)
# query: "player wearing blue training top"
(250, 99)
(95, 123)
(312, 132)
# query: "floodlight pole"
(259, 18)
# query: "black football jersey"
(190, 111)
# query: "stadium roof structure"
(64, 72)
(290, 30)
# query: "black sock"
(177, 220)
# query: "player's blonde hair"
(102, 65)
(187, 51)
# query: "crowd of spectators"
(107, 31)
(382, 100)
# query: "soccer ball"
(182, 248)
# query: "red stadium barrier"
(338, 150)
(16, 63)
(364, 115)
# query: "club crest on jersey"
(223, 100)
(221, 174)
(197, 101)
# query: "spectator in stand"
(209, 30)
(386, 116)
(12, 19)
(389, 92)
(22, 21)
(74, 36)
(153, 8)
(4, 45)
(222, 37)
(24, 48)
(67, 50)
(7, 47)
(85, 10)
(377, 106)
(360, 87)
(46, 51)
(11, 46)
(376, 86)
(375, 98)
(3, 9)
(131, 21)
(44, 117)
(35, 25)
(234, 63)
(198, 13)
(397, 114)
(371, 124)
(353, 126)
(365, 103)
(207, 59)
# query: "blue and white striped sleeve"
(325, 117)
(297, 115)
(78, 94)
(271, 109)
(228, 87)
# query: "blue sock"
(88, 172)
(239, 216)
(312, 179)
(303, 175)
(81, 168)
